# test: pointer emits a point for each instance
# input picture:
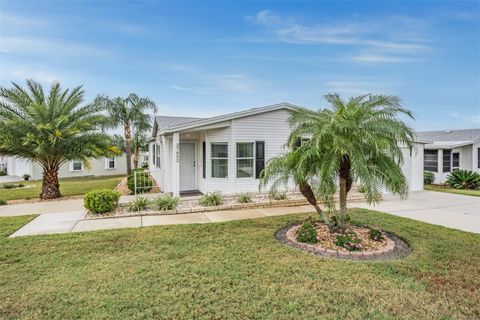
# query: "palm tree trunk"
(136, 157)
(50, 185)
(307, 192)
(128, 151)
(345, 185)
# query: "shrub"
(211, 199)
(375, 234)
(166, 202)
(277, 195)
(143, 182)
(3, 202)
(100, 201)
(307, 233)
(428, 177)
(3, 172)
(26, 177)
(464, 179)
(244, 197)
(13, 186)
(138, 204)
(361, 189)
(349, 241)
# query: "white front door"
(187, 166)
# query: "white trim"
(220, 158)
(253, 158)
(107, 163)
(195, 172)
(76, 170)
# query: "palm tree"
(359, 140)
(51, 130)
(139, 143)
(128, 113)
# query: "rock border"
(396, 248)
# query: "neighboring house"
(98, 167)
(451, 150)
(227, 153)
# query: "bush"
(307, 233)
(375, 234)
(13, 186)
(349, 241)
(3, 202)
(463, 179)
(143, 181)
(3, 172)
(100, 201)
(166, 202)
(26, 177)
(428, 177)
(138, 204)
(211, 199)
(276, 195)
(244, 197)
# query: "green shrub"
(349, 241)
(428, 177)
(166, 202)
(26, 177)
(463, 179)
(361, 189)
(277, 195)
(307, 233)
(211, 199)
(138, 204)
(375, 234)
(3, 172)
(144, 184)
(244, 197)
(3, 202)
(13, 186)
(100, 201)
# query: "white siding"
(416, 168)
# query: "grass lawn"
(234, 270)
(431, 187)
(68, 187)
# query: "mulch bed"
(392, 247)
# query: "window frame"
(447, 160)
(434, 151)
(252, 158)
(212, 159)
(453, 166)
(72, 165)
(158, 156)
(107, 163)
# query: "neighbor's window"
(455, 161)
(111, 163)
(447, 157)
(77, 165)
(245, 159)
(219, 157)
(430, 160)
(158, 155)
(478, 157)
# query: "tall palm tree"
(359, 140)
(128, 113)
(51, 129)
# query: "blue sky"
(208, 58)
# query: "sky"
(207, 58)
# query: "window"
(259, 158)
(154, 152)
(455, 161)
(204, 160)
(219, 160)
(430, 160)
(478, 157)
(110, 163)
(447, 156)
(245, 160)
(158, 161)
(77, 165)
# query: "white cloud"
(474, 119)
(380, 58)
(355, 87)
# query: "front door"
(187, 166)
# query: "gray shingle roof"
(467, 135)
(164, 122)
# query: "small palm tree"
(51, 129)
(128, 113)
(359, 140)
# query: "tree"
(356, 141)
(51, 130)
(128, 113)
(139, 143)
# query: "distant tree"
(51, 130)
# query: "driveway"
(449, 210)
(4, 179)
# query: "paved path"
(6, 179)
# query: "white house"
(451, 150)
(227, 153)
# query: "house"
(451, 150)
(98, 167)
(227, 153)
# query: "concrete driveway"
(6, 179)
(449, 210)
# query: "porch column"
(176, 164)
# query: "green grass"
(68, 187)
(431, 187)
(234, 270)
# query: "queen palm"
(356, 140)
(51, 129)
(128, 113)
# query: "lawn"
(68, 187)
(234, 270)
(431, 187)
